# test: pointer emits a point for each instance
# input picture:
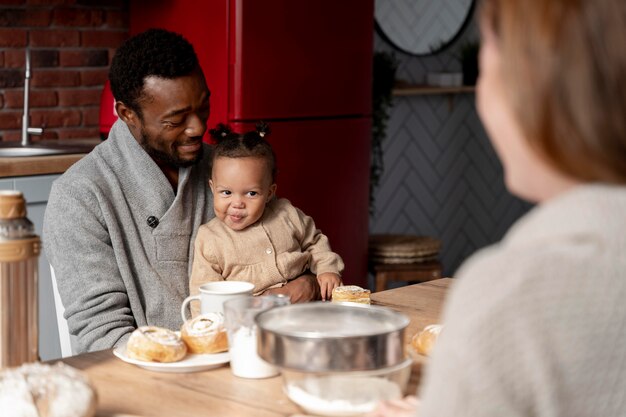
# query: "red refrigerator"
(305, 68)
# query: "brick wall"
(71, 43)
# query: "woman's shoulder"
(520, 272)
(543, 287)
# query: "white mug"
(213, 294)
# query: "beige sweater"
(536, 325)
(282, 245)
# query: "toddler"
(255, 236)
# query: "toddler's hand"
(328, 282)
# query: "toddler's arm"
(323, 262)
(328, 282)
(300, 290)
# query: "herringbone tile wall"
(442, 177)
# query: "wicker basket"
(399, 249)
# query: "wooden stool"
(407, 258)
(409, 272)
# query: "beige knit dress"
(281, 246)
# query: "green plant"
(384, 77)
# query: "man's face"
(174, 118)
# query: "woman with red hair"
(536, 324)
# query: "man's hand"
(300, 290)
(328, 282)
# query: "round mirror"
(422, 27)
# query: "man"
(119, 225)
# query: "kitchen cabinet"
(36, 190)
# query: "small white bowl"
(346, 393)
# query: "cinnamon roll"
(155, 344)
(205, 333)
(352, 294)
(424, 341)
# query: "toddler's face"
(241, 187)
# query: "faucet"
(26, 130)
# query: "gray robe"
(114, 271)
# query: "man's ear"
(272, 193)
(127, 114)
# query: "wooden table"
(422, 303)
(126, 389)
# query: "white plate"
(190, 363)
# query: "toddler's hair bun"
(263, 129)
(220, 132)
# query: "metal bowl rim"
(407, 361)
(309, 336)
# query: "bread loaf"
(36, 389)
(155, 344)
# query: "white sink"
(15, 151)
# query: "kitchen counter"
(37, 165)
(40, 165)
(33, 176)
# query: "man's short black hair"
(155, 52)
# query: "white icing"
(433, 328)
(15, 397)
(341, 395)
(351, 288)
(202, 324)
(160, 335)
(244, 360)
(205, 324)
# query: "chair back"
(64, 332)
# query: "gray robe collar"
(142, 175)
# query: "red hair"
(565, 68)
